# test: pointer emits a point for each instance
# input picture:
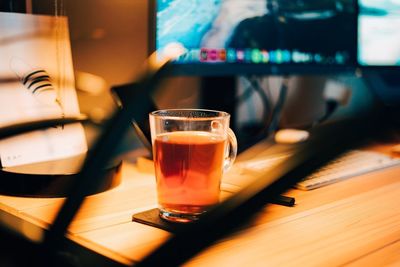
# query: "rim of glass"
(159, 114)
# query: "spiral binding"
(37, 81)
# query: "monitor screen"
(379, 33)
(258, 36)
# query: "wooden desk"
(354, 222)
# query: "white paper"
(29, 44)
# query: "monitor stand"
(385, 85)
(218, 93)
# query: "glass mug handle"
(231, 150)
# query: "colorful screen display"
(261, 33)
(379, 33)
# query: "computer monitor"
(379, 48)
(257, 36)
(379, 33)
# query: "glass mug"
(191, 150)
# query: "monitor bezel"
(229, 69)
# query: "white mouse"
(291, 136)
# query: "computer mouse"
(291, 136)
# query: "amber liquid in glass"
(188, 170)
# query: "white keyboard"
(350, 164)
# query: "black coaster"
(152, 218)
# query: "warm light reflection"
(33, 233)
(170, 52)
(90, 83)
(173, 50)
(159, 58)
